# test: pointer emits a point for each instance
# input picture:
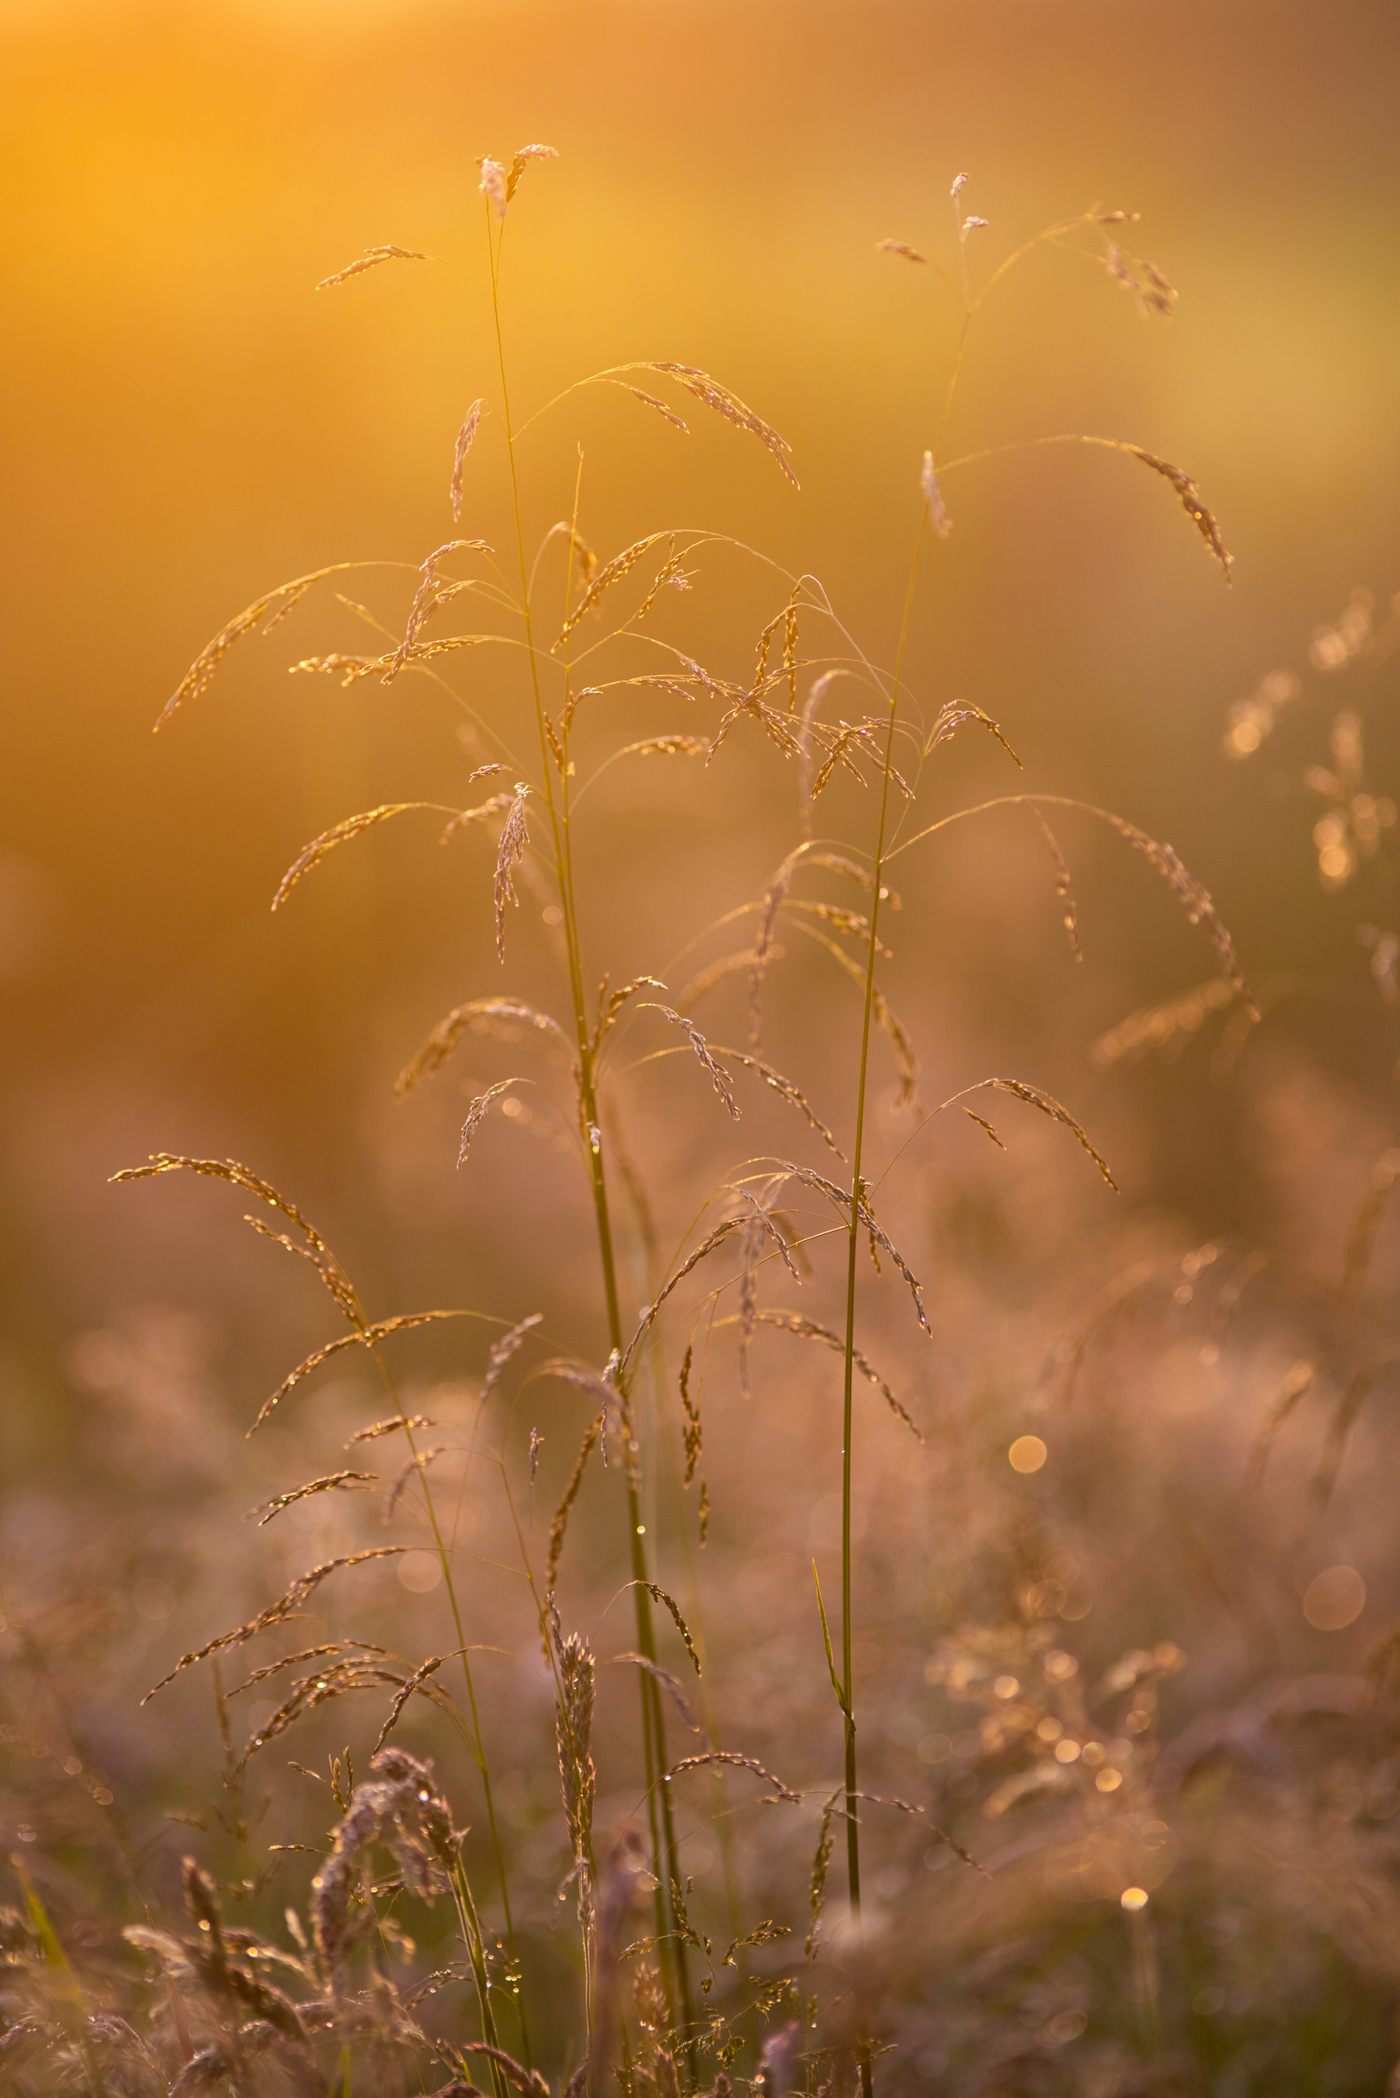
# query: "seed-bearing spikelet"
(357, 668)
(419, 1677)
(1163, 1026)
(426, 599)
(1063, 888)
(367, 261)
(650, 400)
(786, 1090)
(611, 572)
(380, 1811)
(610, 1008)
(667, 747)
(358, 1672)
(330, 1483)
(560, 1523)
(573, 1720)
(808, 1329)
(1194, 899)
(671, 574)
(669, 1604)
(773, 900)
(393, 1426)
(521, 161)
(848, 921)
(503, 1349)
(283, 598)
(1047, 1105)
(933, 495)
(750, 1245)
(898, 247)
(515, 836)
(459, 456)
(493, 184)
(713, 395)
(954, 715)
(906, 1060)
(840, 1198)
(716, 1238)
(807, 741)
(843, 743)
(349, 827)
(719, 1077)
(359, 1647)
(720, 971)
(364, 1336)
(476, 1114)
(1191, 503)
(313, 1248)
(734, 1761)
(693, 1437)
(300, 1591)
(464, 817)
(417, 1464)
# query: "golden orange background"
(188, 422)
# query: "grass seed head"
(515, 836)
(1191, 503)
(713, 395)
(367, 261)
(718, 1075)
(477, 1112)
(493, 184)
(465, 437)
(521, 161)
(933, 495)
(650, 400)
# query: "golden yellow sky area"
(189, 421)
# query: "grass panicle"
(683, 1256)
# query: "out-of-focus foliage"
(1124, 1615)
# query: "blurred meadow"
(190, 423)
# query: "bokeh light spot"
(1134, 1898)
(1334, 1599)
(1027, 1453)
(420, 1572)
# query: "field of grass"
(811, 1513)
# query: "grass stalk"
(852, 1255)
(664, 1862)
(478, 1748)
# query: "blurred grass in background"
(189, 423)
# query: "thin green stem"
(653, 1718)
(852, 1254)
(478, 1747)
(952, 387)
(470, 1923)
